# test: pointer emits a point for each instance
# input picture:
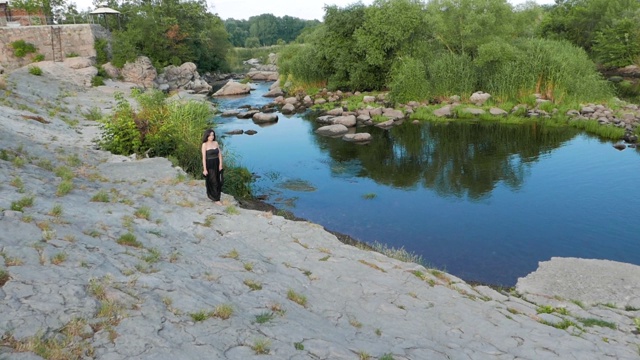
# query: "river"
(483, 201)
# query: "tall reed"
(557, 70)
(451, 74)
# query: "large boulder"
(140, 72)
(445, 111)
(184, 77)
(393, 114)
(357, 138)
(262, 118)
(478, 98)
(263, 75)
(111, 70)
(78, 63)
(332, 130)
(288, 109)
(348, 121)
(274, 92)
(233, 88)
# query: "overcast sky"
(304, 9)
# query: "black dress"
(214, 175)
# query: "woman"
(212, 165)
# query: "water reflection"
(454, 159)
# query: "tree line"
(437, 48)
(266, 30)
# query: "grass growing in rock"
(94, 114)
(24, 202)
(589, 322)
(153, 256)
(59, 347)
(56, 210)
(143, 213)
(231, 210)
(264, 317)
(129, 239)
(4, 277)
(223, 311)
(17, 183)
(64, 188)
(59, 258)
(397, 253)
(252, 284)
(233, 254)
(261, 346)
(297, 298)
(546, 309)
(199, 316)
(101, 196)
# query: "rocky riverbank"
(105, 257)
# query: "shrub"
(38, 58)
(35, 70)
(237, 181)
(618, 45)
(120, 133)
(125, 51)
(21, 48)
(97, 81)
(102, 55)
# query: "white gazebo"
(103, 12)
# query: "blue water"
(485, 202)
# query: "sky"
(303, 9)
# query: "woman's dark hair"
(205, 136)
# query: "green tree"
(618, 45)
(252, 42)
(265, 28)
(461, 26)
(172, 32)
(382, 37)
(579, 21)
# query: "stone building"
(12, 16)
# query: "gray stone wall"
(78, 39)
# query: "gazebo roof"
(103, 10)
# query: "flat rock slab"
(588, 280)
(146, 169)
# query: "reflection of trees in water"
(459, 159)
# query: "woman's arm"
(204, 159)
(220, 157)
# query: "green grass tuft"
(129, 239)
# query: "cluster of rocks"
(263, 117)
(143, 73)
(628, 117)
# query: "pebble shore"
(135, 263)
